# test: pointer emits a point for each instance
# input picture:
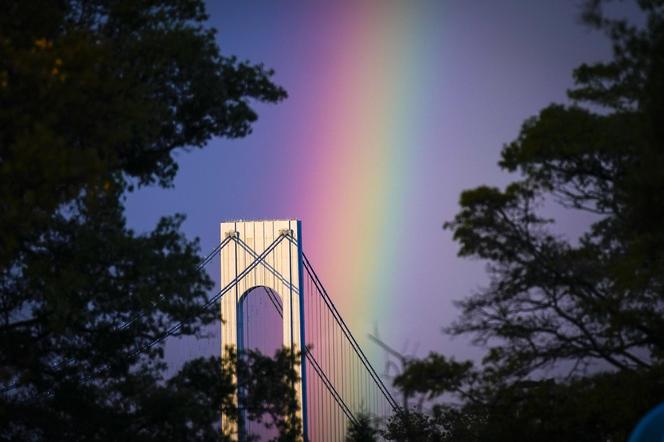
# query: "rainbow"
(357, 150)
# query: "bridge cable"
(267, 265)
(127, 324)
(336, 314)
(200, 266)
(351, 338)
(328, 384)
(259, 259)
(310, 357)
(172, 330)
(348, 334)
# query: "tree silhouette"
(362, 430)
(592, 309)
(95, 97)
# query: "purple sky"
(491, 64)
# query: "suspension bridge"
(265, 272)
(270, 296)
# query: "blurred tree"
(600, 299)
(95, 96)
(411, 426)
(362, 431)
(268, 392)
(592, 309)
(97, 93)
(481, 405)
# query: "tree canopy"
(362, 430)
(573, 326)
(551, 299)
(95, 97)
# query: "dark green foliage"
(433, 376)
(362, 430)
(592, 309)
(88, 296)
(600, 299)
(267, 391)
(95, 97)
(602, 407)
(96, 91)
(412, 426)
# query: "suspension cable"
(319, 371)
(200, 266)
(348, 334)
(267, 265)
(337, 316)
(171, 331)
(205, 261)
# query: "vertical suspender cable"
(349, 335)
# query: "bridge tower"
(277, 247)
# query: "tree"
(95, 97)
(591, 309)
(267, 392)
(411, 426)
(362, 430)
(481, 405)
(601, 299)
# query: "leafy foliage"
(96, 91)
(600, 407)
(550, 299)
(267, 392)
(433, 375)
(362, 430)
(95, 97)
(410, 426)
(573, 327)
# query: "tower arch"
(259, 320)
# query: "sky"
(394, 109)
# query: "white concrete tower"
(248, 264)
